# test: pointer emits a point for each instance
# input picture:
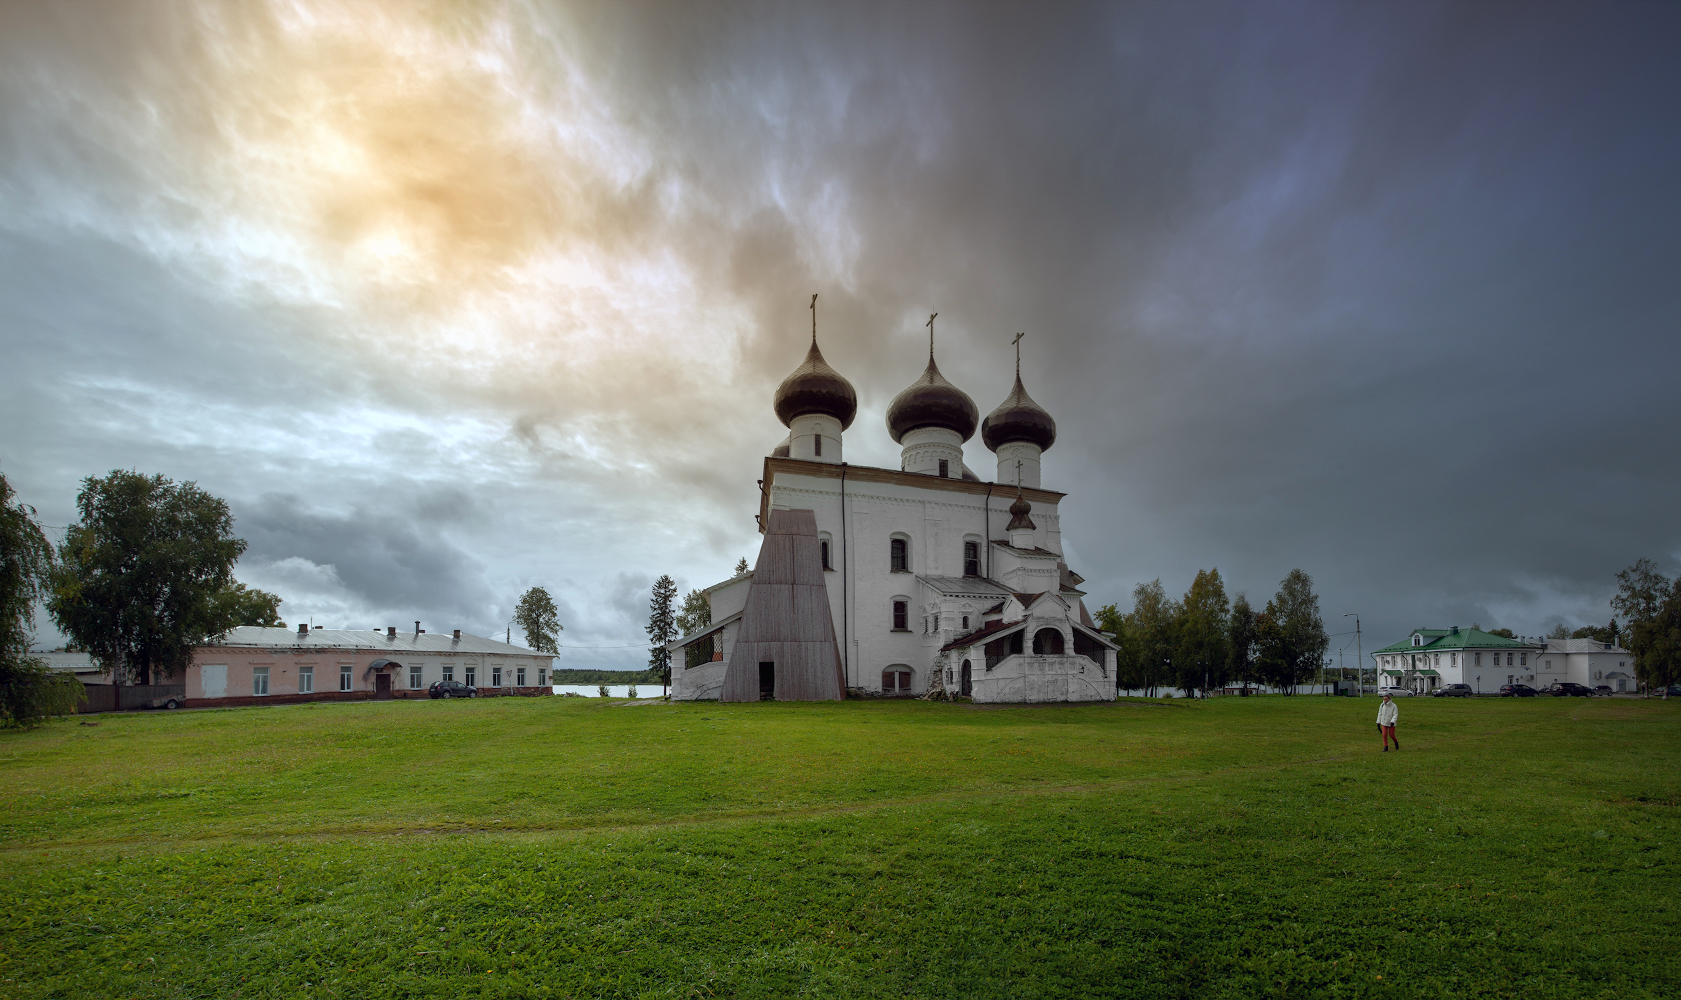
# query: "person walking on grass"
(1387, 713)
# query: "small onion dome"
(814, 387)
(931, 401)
(1019, 511)
(1018, 418)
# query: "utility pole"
(1359, 658)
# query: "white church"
(919, 580)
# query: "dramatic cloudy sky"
(451, 300)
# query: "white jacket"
(1387, 713)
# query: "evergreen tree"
(741, 566)
(539, 619)
(662, 624)
(29, 690)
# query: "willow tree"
(29, 690)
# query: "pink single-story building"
(251, 665)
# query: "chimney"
(303, 628)
(391, 631)
(416, 628)
(457, 635)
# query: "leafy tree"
(1598, 633)
(238, 604)
(1559, 632)
(662, 624)
(1152, 631)
(1202, 656)
(29, 690)
(1292, 633)
(1651, 605)
(1506, 632)
(1241, 641)
(695, 615)
(1109, 619)
(741, 566)
(539, 619)
(140, 574)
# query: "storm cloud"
(451, 300)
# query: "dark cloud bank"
(1382, 291)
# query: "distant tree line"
(569, 676)
(1203, 642)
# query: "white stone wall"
(935, 523)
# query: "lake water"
(613, 690)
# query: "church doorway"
(968, 685)
(767, 681)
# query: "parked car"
(1602, 689)
(1517, 691)
(1569, 689)
(1394, 692)
(1452, 691)
(452, 689)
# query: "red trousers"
(1388, 733)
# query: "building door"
(382, 686)
(767, 681)
(968, 686)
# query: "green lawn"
(574, 847)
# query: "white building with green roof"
(1429, 658)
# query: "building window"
(519, 675)
(1477, 659)
(817, 445)
(1508, 658)
(899, 555)
(344, 679)
(542, 676)
(896, 680)
(1523, 659)
(936, 623)
(306, 680)
(971, 558)
(495, 677)
(449, 672)
(414, 678)
(259, 681)
(901, 614)
(1047, 642)
(824, 546)
(1438, 659)
(965, 623)
(471, 676)
(945, 469)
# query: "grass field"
(574, 847)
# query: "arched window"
(899, 553)
(971, 558)
(896, 680)
(1047, 642)
(901, 615)
(965, 623)
(823, 545)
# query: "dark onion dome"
(814, 387)
(1019, 514)
(1018, 418)
(931, 401)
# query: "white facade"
(1432, 658)
(897, 620)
